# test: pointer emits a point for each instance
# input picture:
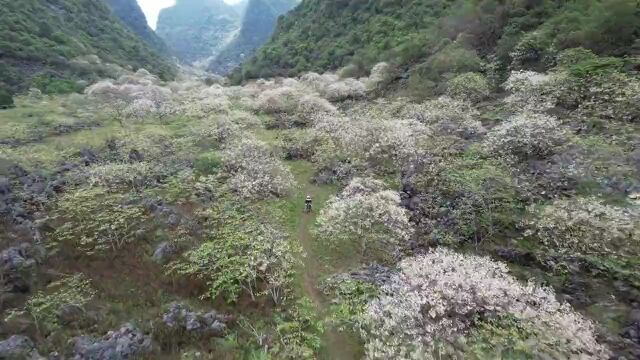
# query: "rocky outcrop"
(18, 347)
(125, 343)
(17, 265)
(180, 317)
(164, 252)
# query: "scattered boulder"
(125, 343)
(18, 347)
(179, 316)
(70, 314)
(135, 156)
(88, 157)
(16, 265)
(5, 187)
(162, 213)
(164, 252)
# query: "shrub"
(525, 136)
(436, 298)
(349, 71)
(585, 226)
(472, 87)
(241, 257)
(368, 217)
(208, 164)
(461, 199)
(136, 176)
(298, 144)
(95, 221)
(454, 58)
(44, 306)
(51, 85)
(608, 95)
(533, 51)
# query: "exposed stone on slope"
(18, 347)
(179, 316)
(124, 343)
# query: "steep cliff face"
(41, 39)
(130, 13)
(196, 30)
(259, 20)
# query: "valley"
(473, 167)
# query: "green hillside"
(320, 35)
(40, 38)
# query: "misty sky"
(152, 8)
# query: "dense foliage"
(437, 297)
(320, 35)
(47, 38)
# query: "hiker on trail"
(307, 204)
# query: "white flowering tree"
(530, 91)
(525, 136)
(383, 144)
(437, 298)
(367, 216)
(255, 172)
(586, 226)
(447, 116)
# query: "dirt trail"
(337, 346)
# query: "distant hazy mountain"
(258, 22)
(130, 13)
(197, 29)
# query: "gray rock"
(164, 252)
(88, 157)
(18, 347)
(16, 265)
(125, 343)
(5, 187)
(70, 314)
(135, 156)
(179, 316)
(173, 220)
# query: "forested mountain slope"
(258, 22)
(130, 13)
(40, 41)
(197, 29)
(321, 35)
